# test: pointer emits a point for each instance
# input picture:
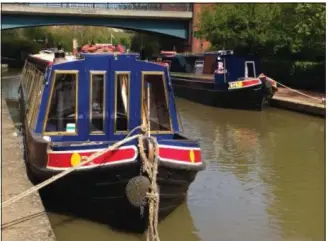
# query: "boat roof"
(47, 56)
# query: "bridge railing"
(185, 7)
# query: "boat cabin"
(97, 97)
(223, 64)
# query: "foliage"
(266, 29)
(297, 74)
(18, 43)
(153, 44)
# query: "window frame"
(162, 74)
(32, 97)
(117, 73)
(35, 105)
(32, 85)
(246, 68)
(104, 73)
(62, 133)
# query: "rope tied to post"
(150, 166)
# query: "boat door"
(250, 70)
(120, 96)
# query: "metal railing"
(184, 7)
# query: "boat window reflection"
(62, 108)
(37, 102)
(122, 101)
(97, 103)
(159, 111)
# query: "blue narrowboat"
(74, 108)
(219, 78)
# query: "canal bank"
(25, 220)
(309, 103)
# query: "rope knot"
(150, 166)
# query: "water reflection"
(178, 226)
(277, 160)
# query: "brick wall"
(198, 45)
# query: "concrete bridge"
(176, 20)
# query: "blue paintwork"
(175, 28)
(181, 143)
(110, 64)
(234, 66)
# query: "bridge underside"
(175, 28)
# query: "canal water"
(265, 180)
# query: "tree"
(310, 29)
(264, 29)
(243, 27)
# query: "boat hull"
(99, 195)
(253, 97)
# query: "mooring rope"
(66, 172)
(301, 93)
(150, 166)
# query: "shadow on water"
(264, 180)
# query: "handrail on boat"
(192, 75)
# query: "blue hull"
(208, 94)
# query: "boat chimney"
(59, 55)
(75, 46)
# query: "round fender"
(136, 190)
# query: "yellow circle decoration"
(75, 159)
(192, 156)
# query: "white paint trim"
(92, 150)
(181, 162)
(180, 147)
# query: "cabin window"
(24, 70)
(32, 84)
(61, 116)
(27, 80)
(122, 92)
(250, 69)
(154, 102)
(35, 100)
(97, 102)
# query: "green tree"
(310, 29)
(265, 29)
(243, 27)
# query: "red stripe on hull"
(182, 155)
(63, 159)
(246, 83)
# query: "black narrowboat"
(219, 78)
(73, 108)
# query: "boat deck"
(291, 100)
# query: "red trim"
(162, 64)
(182, 155)
(168, 53)
(63, 159)
(246, 83)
